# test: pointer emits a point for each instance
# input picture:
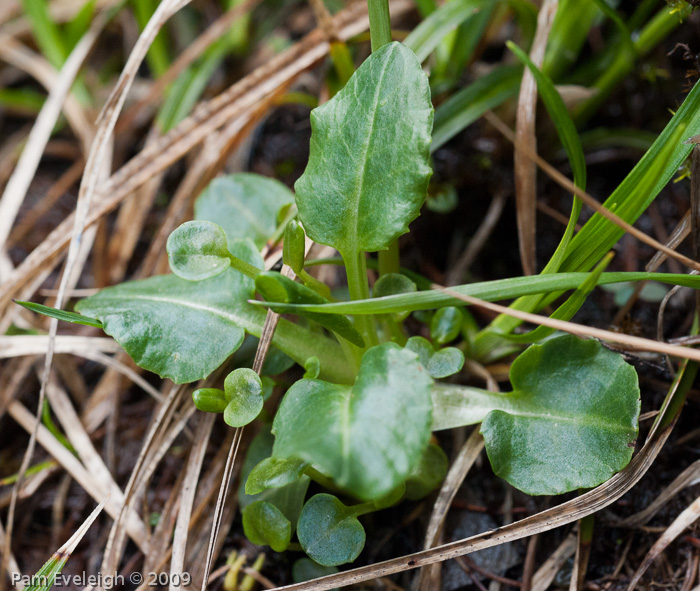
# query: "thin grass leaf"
(500, 289)
(46, 32)
(44, 579)
(428, 35)
(470, 103)
(568, 309)
(60, 314)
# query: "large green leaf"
(570, 421)
(367, 437)
(184, 330)
(245, 205)
(368, 169)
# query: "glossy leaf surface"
(570, 421)
(380, 121)
(198, 250)
(367, 437)
(243, 390)
(245, 205)
(329, 531)
(209, 400)
(274, 473)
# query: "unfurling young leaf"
(197, 250)
(329, 531)
(368, 170)
(312, 367)
(210, 400)
(243, 390)
(294, 246)
(367, 437)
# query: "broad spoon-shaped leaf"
(367, 437)
(368, 169)
(570, 422)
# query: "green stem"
(321, 479)
(379, 24)
(246, 268)
(356, 269)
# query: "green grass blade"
(470, 103)
(60, 314)
(500, 289)
(638, 189)
(426, 36)
(46, 32)
(45, 577)
(568, 309)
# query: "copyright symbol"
(136, 578)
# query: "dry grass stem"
(525, 169)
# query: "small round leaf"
(440, 364)
(446, 324)
(209, 399)
(394, 284)
(243, 389)
(265, 525)
(329, 532)
(198, 250)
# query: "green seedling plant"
(359, 422)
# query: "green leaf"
(210, 400)
(306, 569)
(439, 363)
(329, 531)
(569, 423)
(265, 525)
(276, 287)
(380, 121)
(289, 498)
(179, 329)
(294, 246)
(60, 314)
(470, 103)
(428, 474)
(245, 205)
(391, 284)
(184, 330)
(313, 368)
(274, 473)
(446, 325)
(426, 36)
(243, 390)
(367, 437)
(198, 250)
